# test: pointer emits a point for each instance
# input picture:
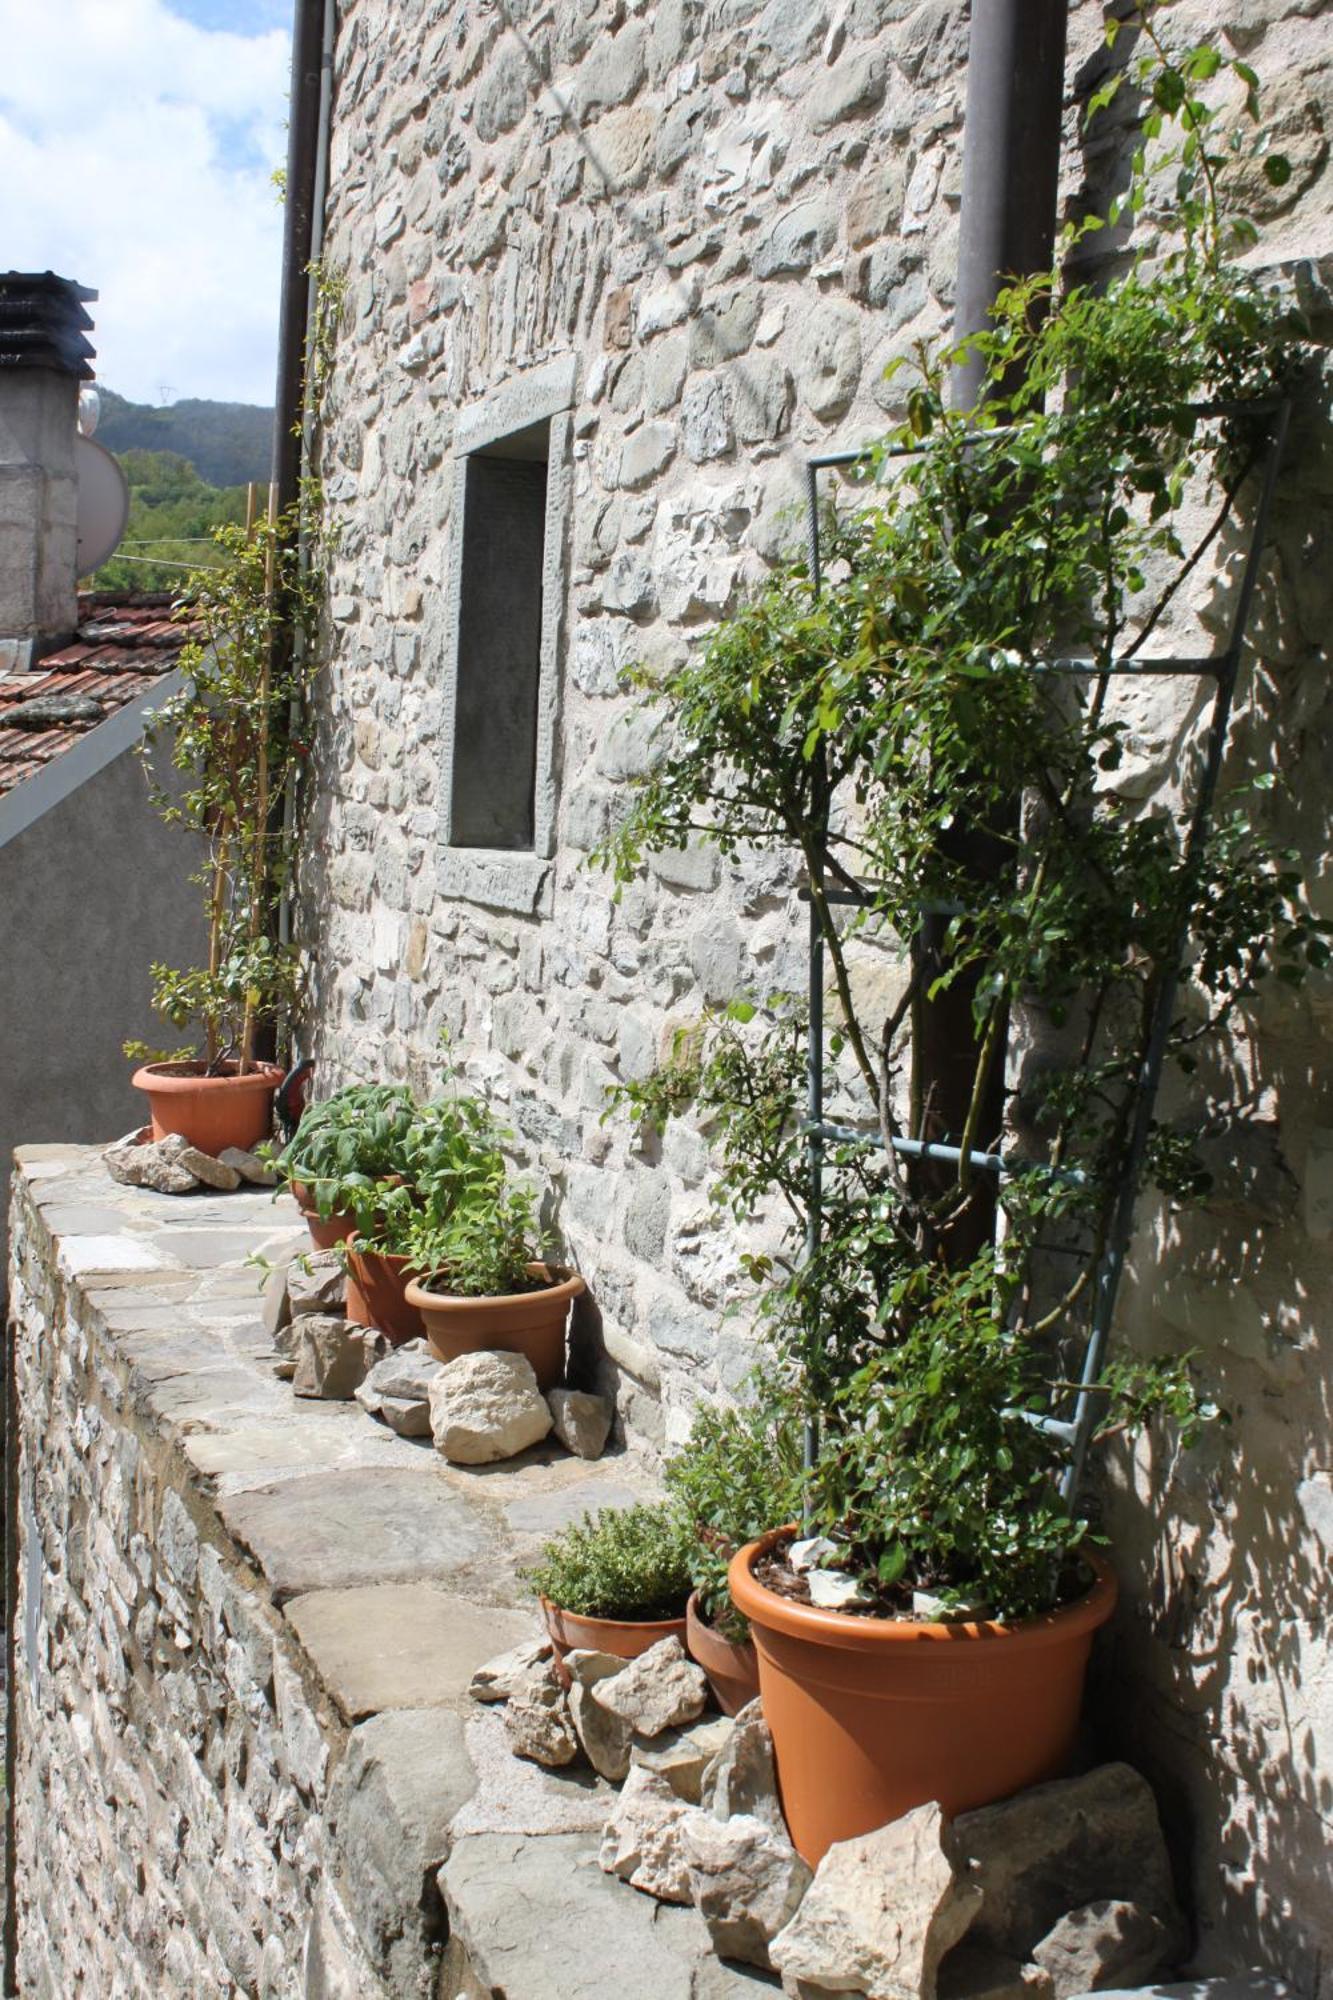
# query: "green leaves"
(627, 1562)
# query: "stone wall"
(730, 216)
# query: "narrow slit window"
(495, 744)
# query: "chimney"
(43, 359)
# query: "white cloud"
(136, 151)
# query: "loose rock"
(1107, 1943)
(681, 1756)
(249, 1166)
(316, 1283)
(276, 1311)
(152, 1163)
(213, 1173)
(1057, 1847)
(644, 1839)
(880, 1915)
(330, 1360)
(746, 1882)
(397, 1388)
(742, 1778)
(580, 1421)
(605, 1737)
(659, 1690)
(499, 1677)
(485, 1407)
(537, 1719)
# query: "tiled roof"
(123, 644)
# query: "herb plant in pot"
(231, 741)
(923, 1634)
(616, 1582)
(486, 1286)
(343, 1147)
(737, 1473)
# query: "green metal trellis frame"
(1076, 1432)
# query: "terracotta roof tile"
(122, 645)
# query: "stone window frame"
(511, 878)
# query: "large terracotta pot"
(624, 1639)
(531, 1323)
(872, 1716)
(325, 1230)
(212, 1112)
(376, 1295)
(732, 1666)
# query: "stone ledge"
(327, 1589)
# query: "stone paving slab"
(401, 1645)
(538, 1920)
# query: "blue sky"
(138, 139)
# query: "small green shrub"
(738, 1475)
(626, 1562)
(483, 1247)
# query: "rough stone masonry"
(689, 236)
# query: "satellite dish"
(104, 503)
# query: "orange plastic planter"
(325, 1230)
(872, 1716)
(624, 1640)
(529, 1323)
(212, 1112)
(376, 1295)
(731, 1666)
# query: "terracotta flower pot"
(624, 1638)
(376, 1295)
(872, 1716)
(732, 1666)
(325, 1230)
(530, 1323)
(212, 1112)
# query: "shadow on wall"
(1220, 1681)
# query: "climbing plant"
(859, 725)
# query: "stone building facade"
(646, 259)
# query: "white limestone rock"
(249, 1166)
(644, 1841)
(659, 1690)
(485, 1407)
(742, 1777)
(397, 1388)
(497, 1679)
(746, 1881)
(881, 1913)
(607, 1739)
(681, 1756)
(537, 1720)
(152, 1163)
(1058, 1847)
(1111, 1942)
(581, 1422)
(213, 1173)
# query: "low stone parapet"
(242, 1630)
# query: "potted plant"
(342, 1148)
(617, 1581)
(231, 739)
(971, 860)
(484, 1284)
(737, 1473)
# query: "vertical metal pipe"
(298, 211)
(1011, 158)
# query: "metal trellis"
(1076, 1432)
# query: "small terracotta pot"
(325, 1230)
(530, 1323)
(212, 1112)
(376, 1295)
(872, 1716)
(732, 1666)
(625, 1639)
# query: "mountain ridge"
(228, 444)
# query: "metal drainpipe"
(298, 214)
(1011, 167)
